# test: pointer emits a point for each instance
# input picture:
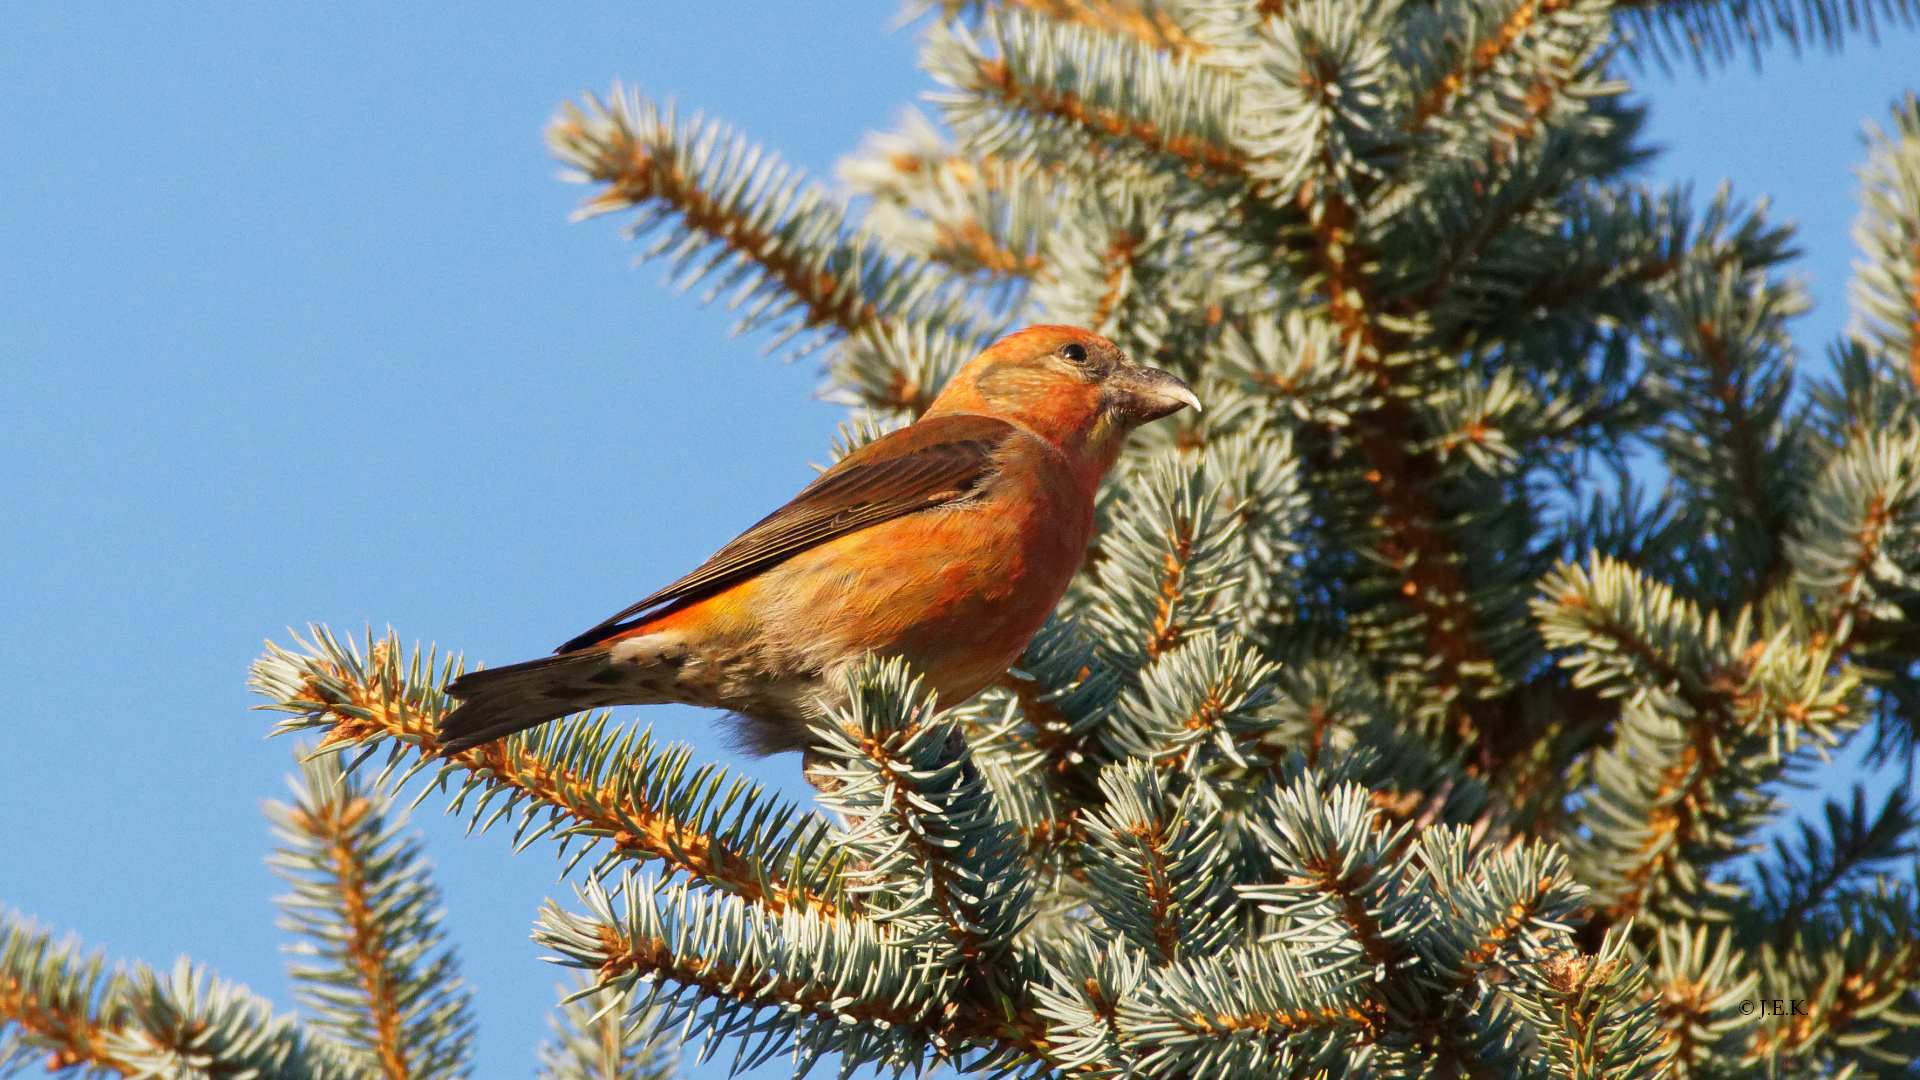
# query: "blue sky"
(295, 329)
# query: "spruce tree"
(1420, 704)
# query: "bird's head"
(1070, 386)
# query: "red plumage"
(945, 543)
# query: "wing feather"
(931, 463)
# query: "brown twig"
(1850, 616)
(1166, 631)
(968, 244)
(1120, 255)
(1432, 584)
(1287, 1021)
(1913, 327)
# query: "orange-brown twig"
(634, 174)
(1156, 30)
(333, 832)
(1860, 994)
(377, 709)
(1022, 1029)
(76, 1037)
(1483, 57)
(993, 77)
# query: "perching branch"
(591, 784)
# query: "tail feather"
(496, 702)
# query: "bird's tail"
(496, 702)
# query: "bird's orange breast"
(957, 590)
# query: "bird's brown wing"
(930, 463)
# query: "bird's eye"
(1074, 352)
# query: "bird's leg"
(956, 748)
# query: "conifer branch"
(1710, 714)
(921, 822)
(1058, 743)
(1726, 376)
(1577, 283)
(1807, 878)
(1340, 893)
(644, 157)
(722, 209)
(1714, 33)
(897, 374)
(1154, 863)
(1414, 546)
(1166, 567)
(1432, 585)
(380, 976)
(1855, 549)
(1151, 25)
(1593, 1015)
(619, 956)
(1313, 117)
(781, 245)
(1063, 693)
(1507, 211)
(1104, 89)
(1527, 18)
(1252, 1011)
(1700, 984)
(968, 244)
(56, 1002)
(590, 784)
(1080, 1000)
(845, 986)
(190, 1023)
(595, 1040)
(1854, 974)
(89, 1021)
(976, 213)
(1201, 709)
(1119, 261)
(1307, 366)
(1184, 1034)
(1886, 286)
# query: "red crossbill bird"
(946, 543)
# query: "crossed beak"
(1152, 393)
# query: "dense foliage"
(1418, 706)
